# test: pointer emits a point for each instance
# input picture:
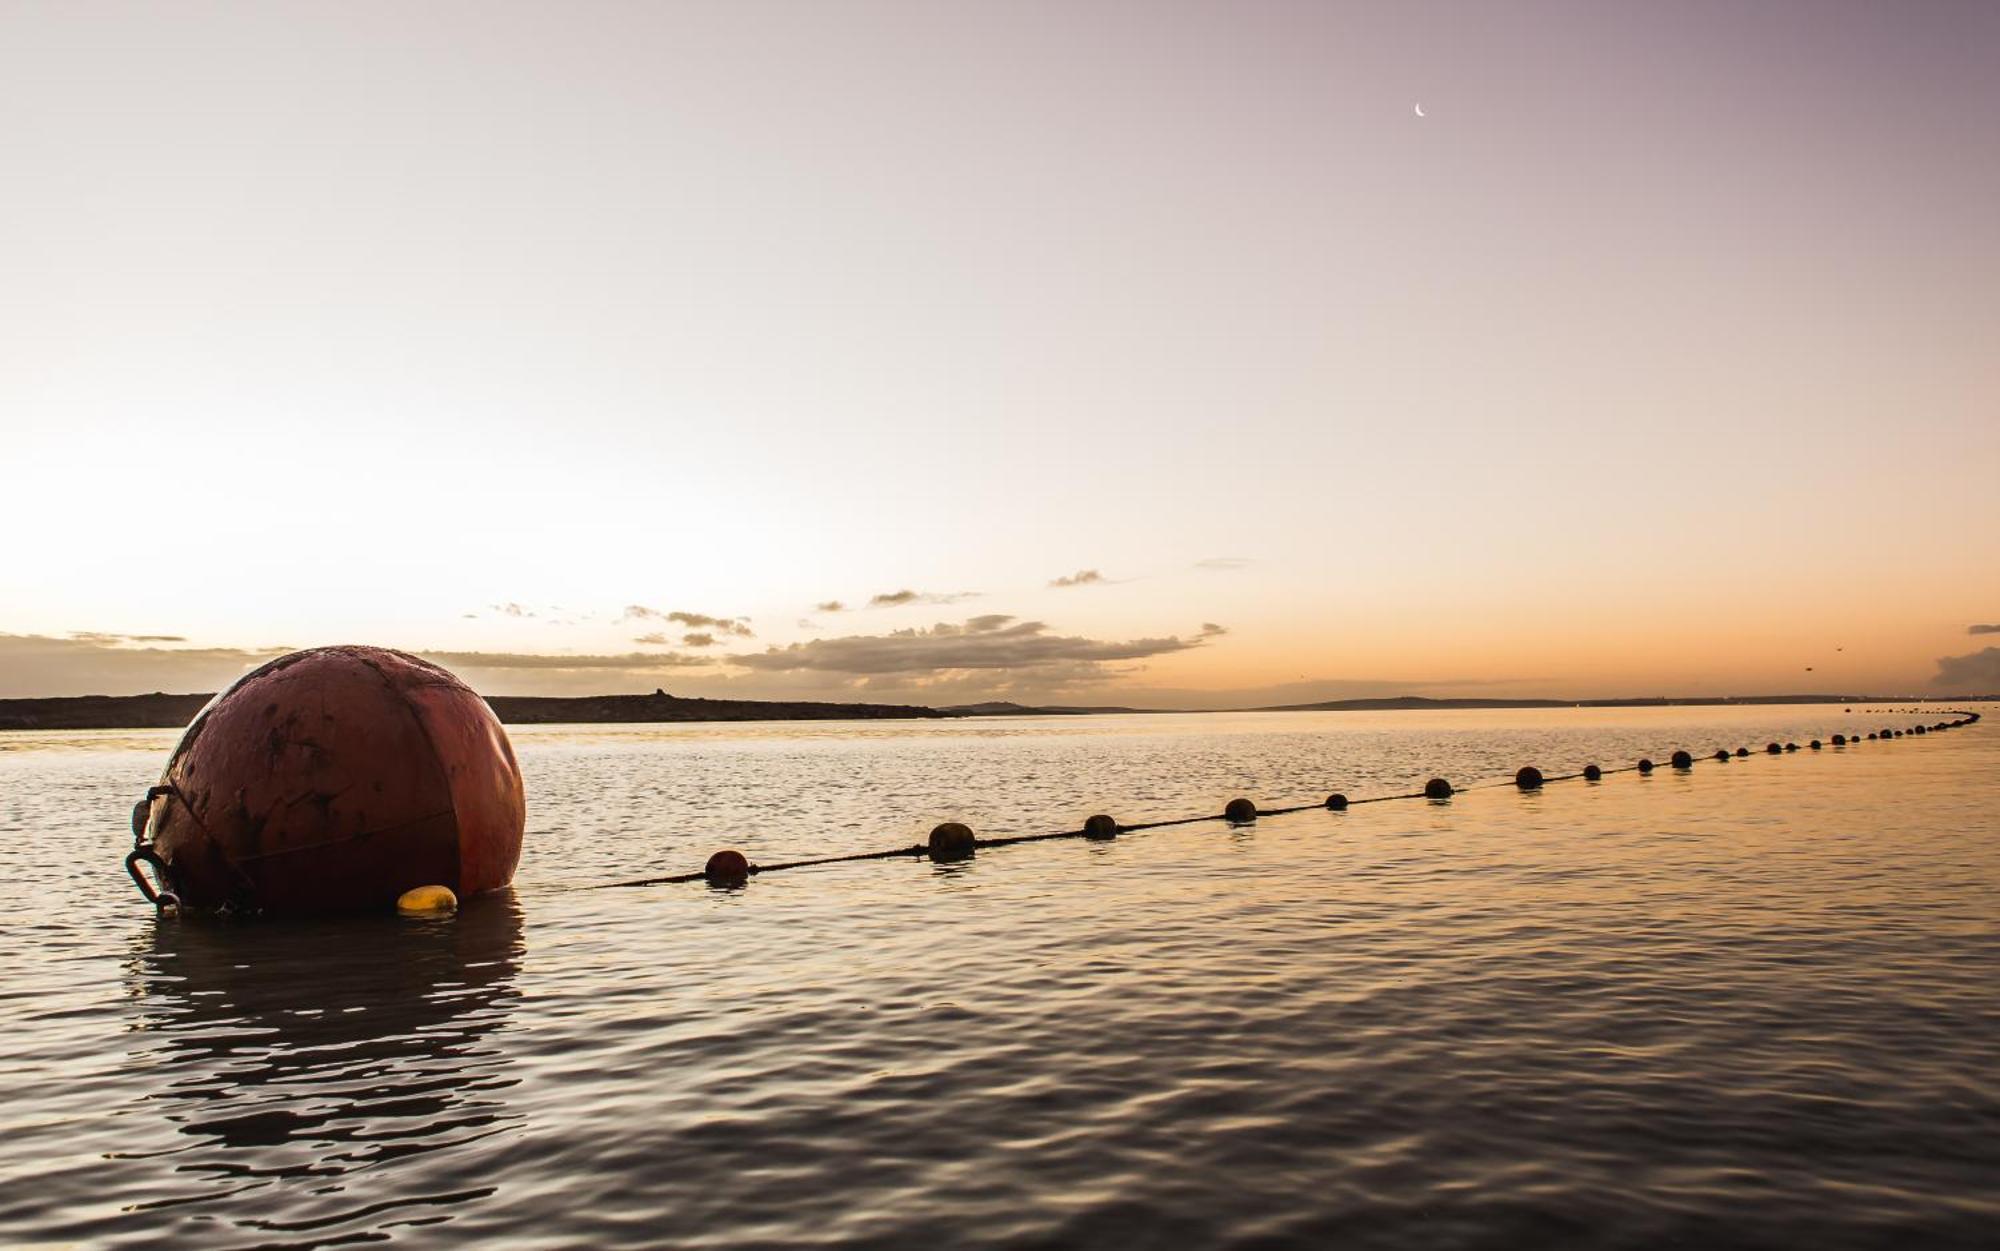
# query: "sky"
(1152, 354)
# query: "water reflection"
(301, 1056)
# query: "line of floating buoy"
(954, 841)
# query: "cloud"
(896, 599)
(698, 639)
(992, 641)
(739, 627)
(1082, 577)
(94, 636)
(91, 662)
(832, 605)
(635, 661)
(1220, 563)
(1982, 629)
(511, 610)
(1210, 630)
(1976, 671)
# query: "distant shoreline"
(160, 711)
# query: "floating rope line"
(953, 841)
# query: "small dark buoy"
(1336, 801)
(1791, 746)
(1528, 778)
(1773, 748)
(1592, 773)
(951, 841)
(1239, 812)
(1645, 765)
(1681, 760)
(727, 867)
(1886, 732)
(1437, 788)
(1840, 740)
(1815, 744)
(1921, 730)
(1871, 737)
(1743, 753)
(1100, 828)
(1723, 755)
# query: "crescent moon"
(1420, 110)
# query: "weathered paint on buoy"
(334, 779)
(1240, 811)
(1337, 801)
(1528, 777)
(728, 867)
(1100, 828)
(1592, 773)
(951, 841)
(1437, 788)
(427, 900)
(1681, 760)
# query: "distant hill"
(1415, 702)
(660, 706)
(1001, 708)
(161, 711)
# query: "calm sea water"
(1756, 1004)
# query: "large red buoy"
(335, 778)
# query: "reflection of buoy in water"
(337, 778)
(425, 899)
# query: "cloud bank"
(1982, 629)
(1974, 673)
(989, 642)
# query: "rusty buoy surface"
(334, 779)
